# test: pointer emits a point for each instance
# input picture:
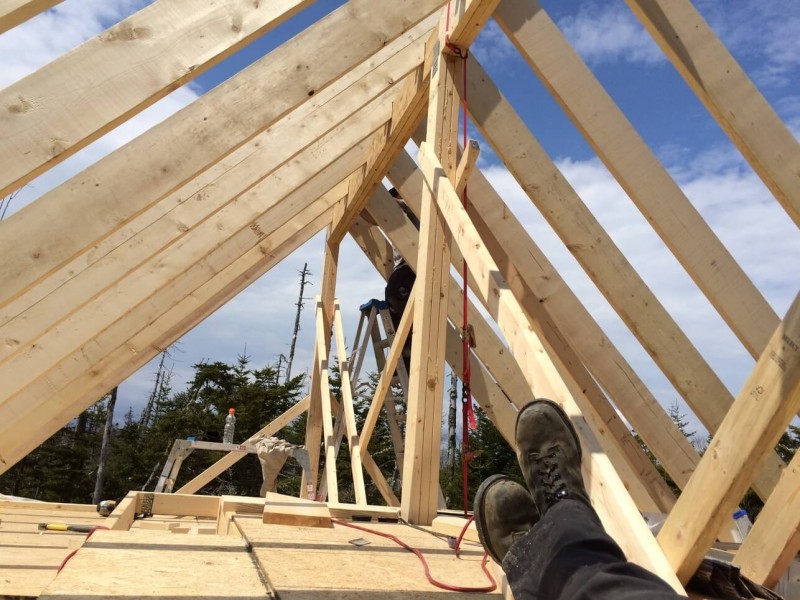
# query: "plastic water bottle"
(743, 523)
(230, 425)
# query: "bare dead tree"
(105, 447)
(303, 274)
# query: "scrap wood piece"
(280, 509)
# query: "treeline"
(64, 468)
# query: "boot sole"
(562, 415)
(480, 511)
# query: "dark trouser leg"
(569, 556)
(398, 290)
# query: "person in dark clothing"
(550, 541)
(400, 283)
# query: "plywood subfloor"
(29, 558)
(142, 563)
(306, 563)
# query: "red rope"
(71, 554)
(444, 586)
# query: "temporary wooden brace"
(159, 48)
(728, 94)
(774, 541)
(639, 475)
(231, 114)
(766, 404)
(426, 379)
(609, 495)
(230, 459)
(15, 12)
(639, 172)
(323, 339)
(604, 262)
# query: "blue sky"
(763, 37)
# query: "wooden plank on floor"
(304, 563)
(137, 564)
(280, 509)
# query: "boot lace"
(549, 476)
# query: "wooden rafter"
(639, 172)
(33, 243)
(123, 70)
(610, 498)
(728, 94)
(15, 12)
(603, 261)
(764, 407)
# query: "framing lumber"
(169, 222)
(33, 243)
(609, 496)
(491, 393)
(16, 12)
(347, 408)
(108, 368)
(322, 341)
(728, 94)
(406, 114)
(639, 475)
(85, 93)
(766, 404)
(603, 261)
(419, 499)
(774, 541)
(288, 510)
(231, 458)
(124, 513)
(639, 172)
(467, 20)
(232, 231)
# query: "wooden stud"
(426, 379)
(288, 510)
(348, 409)
(80, 96)
(467, 21)
(322, 337)
(639, 172)
(612, 502)
(123, 514)
(728, 94)
(179, 504)
(603, 261)
(33, 242)
(774, 541)
(764, 407)
(231, 458)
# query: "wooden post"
(766, 404)
(426, 380)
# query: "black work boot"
(504, 512)
(549, 454)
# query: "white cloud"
(609, 33)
